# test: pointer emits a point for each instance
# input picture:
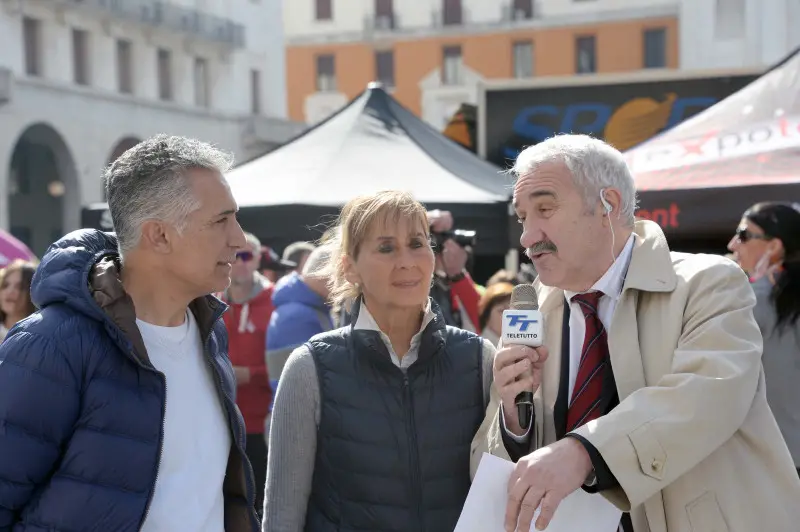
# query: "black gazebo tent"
(697, 178)
(372, 144)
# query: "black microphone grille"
(524, 297)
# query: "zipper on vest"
(160, 450)
(413, 451)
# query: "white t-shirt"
(197, 438)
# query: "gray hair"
(318, 262)
(253, 242)
(594, 165)
(148, 182)
(296, 251)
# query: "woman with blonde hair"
(15, 294)
(372, 423)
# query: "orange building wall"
(619, 48)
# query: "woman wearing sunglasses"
(767, 247)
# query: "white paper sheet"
(485, 508)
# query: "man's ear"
(156, 236)
(613, 199)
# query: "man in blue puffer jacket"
(90, 439)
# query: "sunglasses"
(744, 235)
(244, 256)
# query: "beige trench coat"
(693, 444)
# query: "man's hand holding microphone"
(545, 477)
(518, 365)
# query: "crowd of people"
(179, 375)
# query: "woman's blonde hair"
(356, 219)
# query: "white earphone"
(606, 205)
(609, 209)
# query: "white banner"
(758, 138)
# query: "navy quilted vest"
(393, 448)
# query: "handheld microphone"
(523, 325)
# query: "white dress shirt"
(365, 321)
(611, 285)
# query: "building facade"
(433, 53)
(83, 80)
(737, 33)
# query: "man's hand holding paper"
(487, 502)
(542, 480)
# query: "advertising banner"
(624, 113)
(699, 177)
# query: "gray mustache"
(541, 247)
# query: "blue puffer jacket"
(299, 314)
(82, 408)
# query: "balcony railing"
(171, 17)
(511, 13)
(441, 18)
(381, 23)
(507, 15)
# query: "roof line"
(782, 62)
(305, 131)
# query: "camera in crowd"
(462, 237)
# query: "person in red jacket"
(250, 300)
(453, 288)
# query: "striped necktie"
(587, 393)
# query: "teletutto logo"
(520, 321)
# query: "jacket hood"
(292, 289)
(63, 274)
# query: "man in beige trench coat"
(650, 393)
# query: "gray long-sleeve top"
(293, 432)
(781, 361)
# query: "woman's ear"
(776, 249)
(350, 271)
